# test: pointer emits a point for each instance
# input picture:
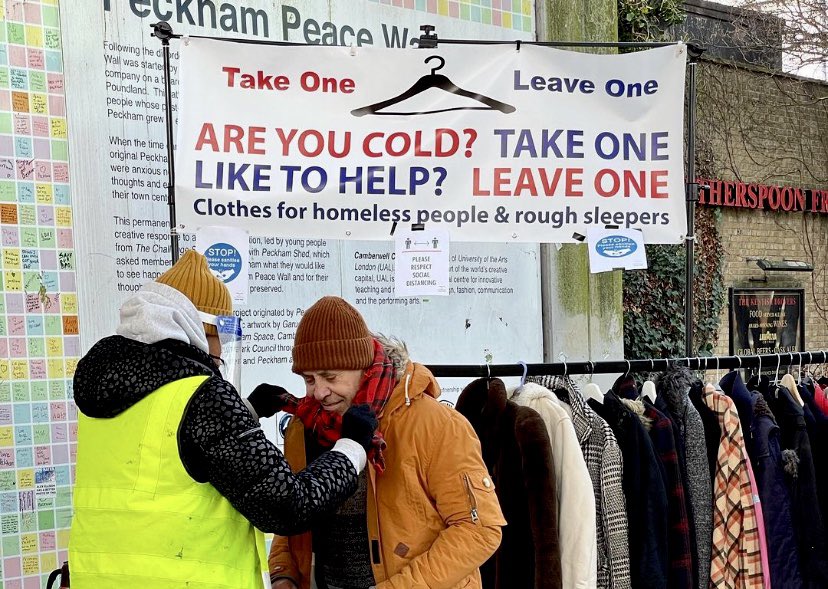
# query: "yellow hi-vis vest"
(141, 521)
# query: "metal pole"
(692, 195)
(429, 41)
(164, 32)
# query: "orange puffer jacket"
(433, 515)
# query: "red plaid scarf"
(375, 389)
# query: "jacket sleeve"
(614, 513)
(459, 484)
(221, 443)
(280, 562)
(654, 498)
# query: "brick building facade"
(759, 126)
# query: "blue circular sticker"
(615, 246)
(225, 261)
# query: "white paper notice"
(227, 251)
(612, 249)
(422, 263)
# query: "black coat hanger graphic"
(434, 80)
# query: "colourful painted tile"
(51, 17)
(41, 148)
(52, 40)
(54, 61)
(53, 326)
(25, 194)
(16, 33)
(57, 389)
(36, 347)
(34, 36)
(20, 392)
(60, 150)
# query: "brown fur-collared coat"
(518, 454)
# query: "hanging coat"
(681, 572)
(644, 492)
(518, 454)
(768, 467)
(808, 523)
(674, 400)
(603, 459)
(712, 431)
(817, 424)
(576, 504)
(736, 558)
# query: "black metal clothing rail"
(763, 361)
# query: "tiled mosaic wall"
(509, 14)
(39, 344)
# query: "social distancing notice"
(421, 263)
(490, 143)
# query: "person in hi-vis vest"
(175, 481)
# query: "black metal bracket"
(692, 189)
(163, 31)
(428, 40)
(694, 52)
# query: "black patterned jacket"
(220, 442)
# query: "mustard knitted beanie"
(192, 277)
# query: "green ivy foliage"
(646, 20)
(654, 298)
(654, 305)
(708, 286)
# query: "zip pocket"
(472, 499)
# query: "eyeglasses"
(217, 359)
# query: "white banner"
(489, 142)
